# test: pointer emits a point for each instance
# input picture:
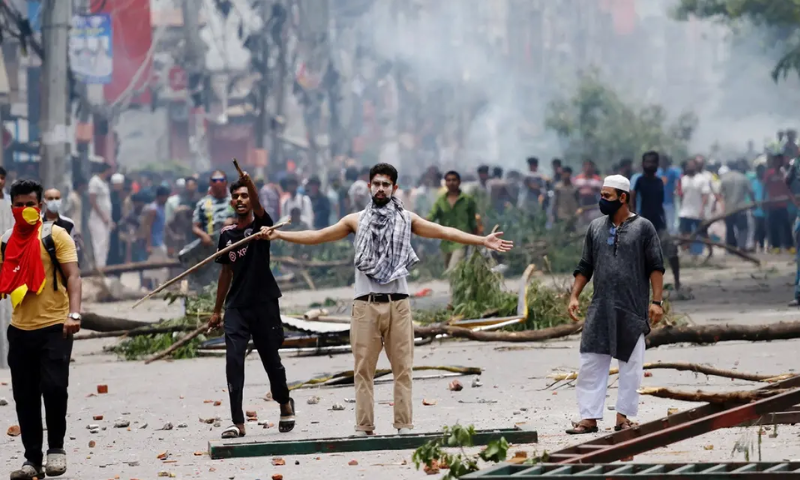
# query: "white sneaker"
(403, 431)
(362, 433)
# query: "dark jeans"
(39, 363)
(736, 230)
(780, 230)
(263, 323)
(760, 236)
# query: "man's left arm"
(67, 256)
(427, 229)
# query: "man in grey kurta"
(622, 253)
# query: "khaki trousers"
(373, 327)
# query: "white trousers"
(593, 383)
(100, 242)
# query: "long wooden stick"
(183, 341)
(208, 260)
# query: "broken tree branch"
(765, 204)
(294, 262)
(705, 334)
(100, 323)
(711, 397)
(183, 341)
(130, 267)
(688, 367)
(523, 336)
(739, 253)
(134, 333)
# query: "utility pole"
(55, 165)
(263, 122)
(280, 96)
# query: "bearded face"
(381, 188)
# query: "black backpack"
(49, 245)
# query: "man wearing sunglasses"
(211, 213)
(622, 252)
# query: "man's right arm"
(340, 230)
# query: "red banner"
(132, 36)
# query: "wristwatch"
(660, 303)
(75, 316)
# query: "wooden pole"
(208, 260)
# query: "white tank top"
(365, 285)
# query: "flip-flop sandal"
(581, 429)
(286, 423)
(232, 432)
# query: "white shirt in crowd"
(99, 187)
(694, 188)
(301, 202)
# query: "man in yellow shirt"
(40, 273)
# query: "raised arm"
(252, 192)
(340, 230)
(427, 229)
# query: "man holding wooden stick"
(381, 311)
(250, 293)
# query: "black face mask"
(609, 207)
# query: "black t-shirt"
(253, 283)
(650, 192)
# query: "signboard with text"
(90, 48)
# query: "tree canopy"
(596, 123)
(780, 17)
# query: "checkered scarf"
(383, 242)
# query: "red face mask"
(26, 218)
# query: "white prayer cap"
(117, 179)
(619, 182)
(180, 183)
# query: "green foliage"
(780, 17)
(476, 289)
(433, 455)
(547, 306)
(597, 123)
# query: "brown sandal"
(582, 429)
(626, 425)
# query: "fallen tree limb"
(688, 367)
(293, 262)
(130, 267)
(346, 377)
(134, 333)
(705, 334)
(765, 204)
(522, 336)
(745, 396)
(100, 323)
(739, 253)
(183, 341)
